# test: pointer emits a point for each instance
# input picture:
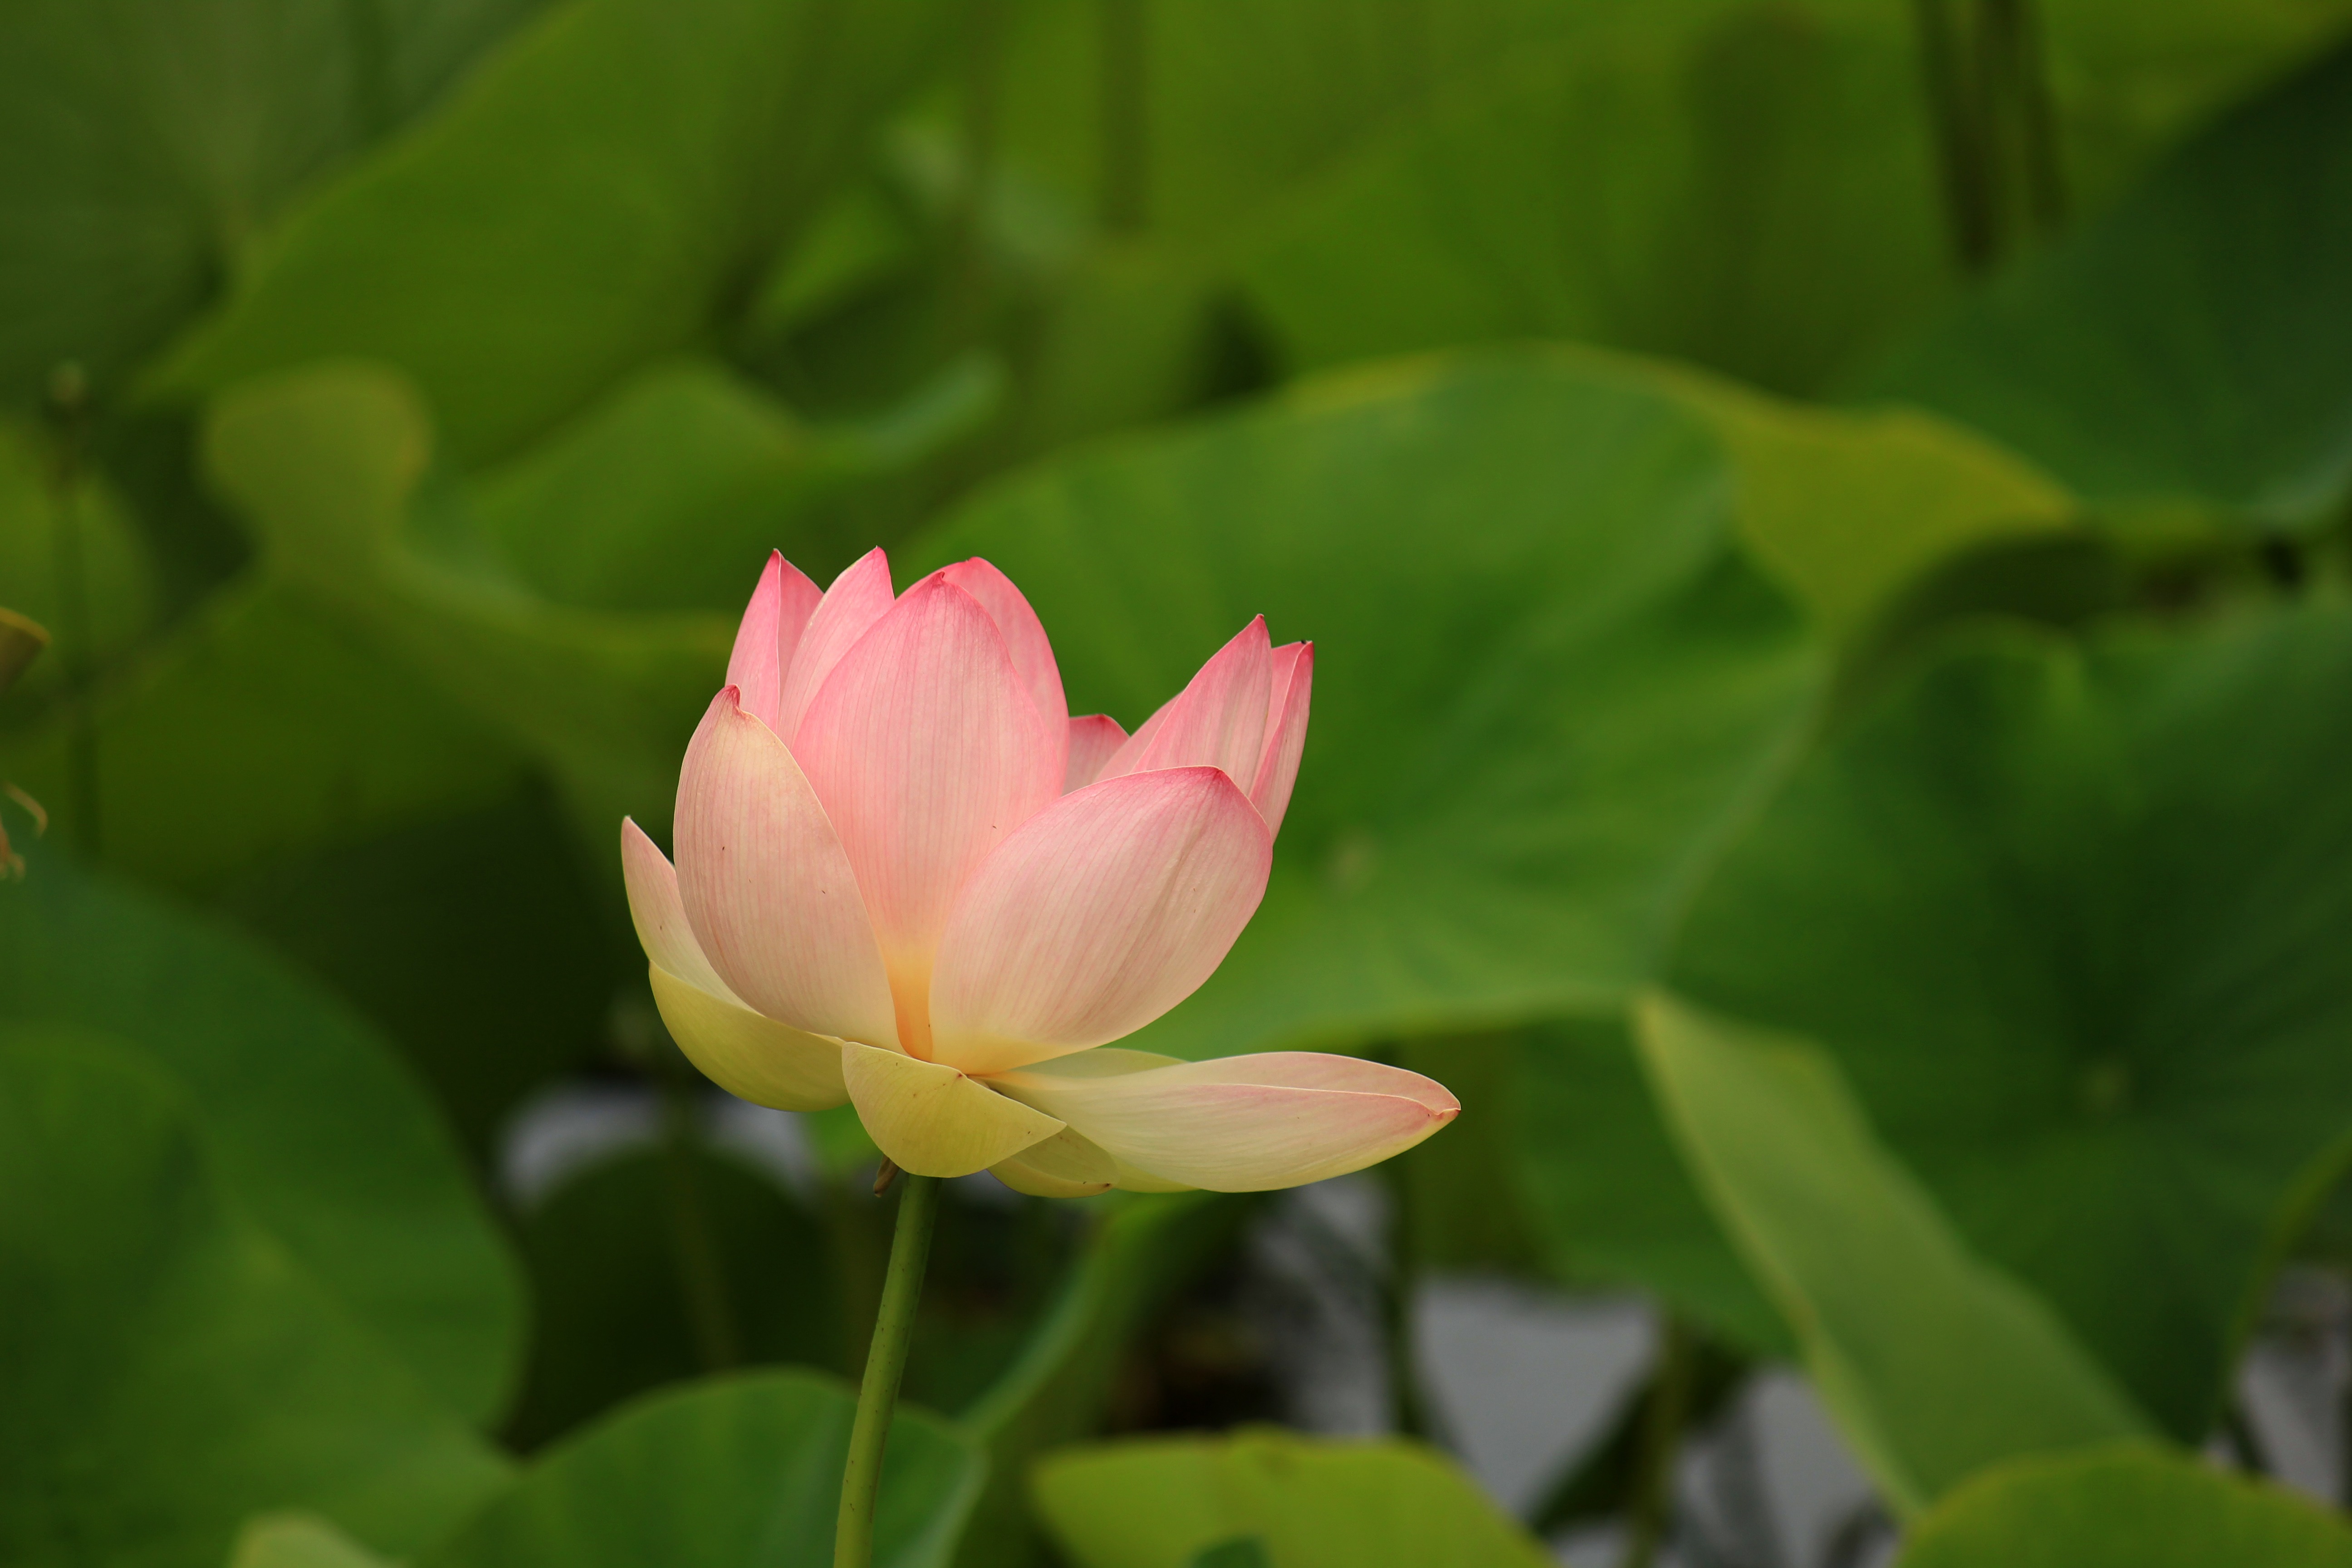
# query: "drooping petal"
(768, 636)
(1025, 635)
(1099, 914)
(1093, 739)
(1063, 1166)
(927, 752)
(1244, 1124)
(749, 1056)
(1105, 1061)
(858, 598)
(1286, 732)
(766, 887)
(1218, 720)
(931, 1119)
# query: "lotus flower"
(907, 878)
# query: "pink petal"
(858, 598)
(1100, 913)
(927, 752)
(1218, 720)
(1024, 635)
(769, 632)
(1286, 732)
(749, 1056)
(766, 887)
(931, 1119)
(1093, 739)
(1050, 1162)
(1243, 1124)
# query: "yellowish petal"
(1063, 1166)
(749, 1055)
(931, 1119)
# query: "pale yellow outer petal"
(931, 1119)
(1063, 1166)
(1131, 1179)
(747, 1054)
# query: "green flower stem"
(877, 1396)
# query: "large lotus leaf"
(1138, 1254)
(548, 231)
(2193, 346)
(1226, 110)
(1131, 336)
(1546, 677)
(1606, 1193)
(262, 725)
(1240, 108)
(170, 1366)
(1160, 1502)
(2130, 1506)
(1850, 510)
(2133, 77)
(1934, 1362)
(326, 465)
(143, 141)
(318, 1133)
(741, 1472)
(2070, 920)
(477, 940)
(1755, 193)
(616, 1317)
(669, 493)
(299, 1540)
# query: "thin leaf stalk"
(886, 1364)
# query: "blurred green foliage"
(1825, 527)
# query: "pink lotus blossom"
(907, 878)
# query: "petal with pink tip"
(768, 635)
(1286, 732)
(927, 752)
(858, 598)
(1093, 739)
(1104, 1061)
(1244, 1124)
(1100, 913)
(1218, 720)
(767, 890)
(1063, 1166)
(749, 1055)
(931, 1119)
(1025, 635)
